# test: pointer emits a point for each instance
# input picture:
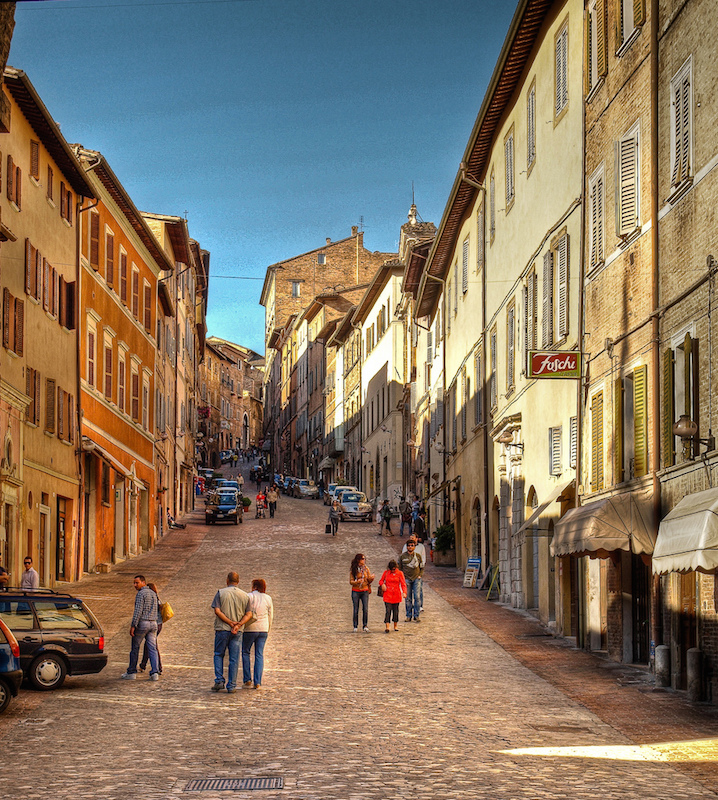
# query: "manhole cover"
(233, 784)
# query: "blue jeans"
(413, 595)
(406, 522)
(224, 640)
(258, 639)
(144, 632)
(363, 598)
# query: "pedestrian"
(412, 565)
(145, 649)
(392, 579)
(256, 632)
(379, 521)
(360, 579)
(143, 628)
(231, 609)
(335, 515)
(4, 576)
(240, 481)
(272, 498)
(420, 550)
(30, 579)
(320, 486)
(260, 504)
(415, 509)
(405, 516)
(420, 526)
(386, 516)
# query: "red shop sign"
(554, 364)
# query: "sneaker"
(257, 685)
(365, 629)
(387, 631)
(128, 676)
(396, 630)
(217, 686)
(416, 619)
(154, 676)
(408, 619)
(231, 691)
(356, 629)
(248, 684)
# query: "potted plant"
(246, 503)
(445, 545)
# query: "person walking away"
(30, 579)
(412, 565)
(320, 486)
(240, 481)
(420, 527)
(272, 498)
(405, 514)
(232, 611)
(4, 576)
(386, 516)
(256, 632)
(143, 628)
(394, 583)
(145, 649)
(420, 550)
(335, 515)
(360, 579)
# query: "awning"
(88, 446)
(620, 522)
(327, 463)
(688, 535)
(534, 520)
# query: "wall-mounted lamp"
(507, 439)
(687, 430)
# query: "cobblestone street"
(341, 716)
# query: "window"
(65, 416)
(35, 159)
(147, 308)
(530, 316)
(50, 386)
(562, 254)
(509, 168)
(548, 298)
(682, 124)
(554, 451)
(492, 207)
(17, 615)
(464, 402)
(596, 199)
(146, 404)
(32, 390)
(91, 355)
(135, 292)
(65, 203)
(561, 78)
(465, 266)
(135, 395)
(50, 189)
(110, 258)
(13, 324)
(596, 44)
(633, 15)
(597, 442)
(531, 127)
(492, 374)
(94, 240)
(456, 287)
(123, 276)
(453, 411)
(13, 181)
(296, 288)
(680, 393)
(108, 367)
(478, 394)
(121, 379)
(480, 233)
(61, 615)
(105, 483)
(630, 446)
(510, 346)
(627, 165)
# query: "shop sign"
(554, 364)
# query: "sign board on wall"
(554, 364)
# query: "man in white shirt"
(30, 579)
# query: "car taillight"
(101, 643)
(15, 649)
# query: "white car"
(337, 493)
(354, 505)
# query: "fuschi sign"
(553, 364)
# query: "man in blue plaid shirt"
(144, 627)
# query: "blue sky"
(273, 124)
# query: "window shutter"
(148, 308)
(29, 267)
(685, 91)
(50, 405)
(597, 442)
(601, 39)
(478, 390)
(639, 12)
(668, 410)
(69, 204)
(30, 392)
(627, 185)
(60, 413)
(464, 402)
(7, 301)
(46, 284)
(687, 382)
(62, 301)
(573, 441)
(10, 179)
(70, 418)
(618, 434)
(37, 397)
(135, 294)
(49, 182)
(453, 417)
(548, 299)
(108, 372)
(510, 346)
(38, 275)
(588, 77)
(563, 286)
(110, 259)
(70, 322)
(121, 383)
(526, 324)
(465, 267)
(640, 420)
(94, 240)
(18, 187)
(19, 325)
(91, 358)
(123, 277)
(63, 200)
(55, 292)
(554, 455)
(34, 159)
(480, 233)
(494, 398)
(531, 126)
(135, 396)
(429, 347)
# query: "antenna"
(361, 222)
(412, 193)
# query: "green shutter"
(640, 420)
(597, 442)
(687, 382)
(639, 12)
(601, 39)
(618, 471)
(668, 411)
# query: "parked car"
(225, 456)
(354, 505)
(337, 493)
(328, 492)
(57, 635)
(305, 487)
(225, 483)
(224, 505)
(10, 670)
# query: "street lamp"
(507, 439)
(687, 430)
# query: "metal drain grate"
(233, 784)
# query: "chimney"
(329, 241)
(355, 230)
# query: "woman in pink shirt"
(392, 580)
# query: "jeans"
(224, 640)
(272, 507)
(258, 639)
(146, 652)
(363, 598)
(413, 593)
(406, 522)
(144, 632)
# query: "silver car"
(353, 505)
(305, 488)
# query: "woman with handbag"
(360, 579)
(256, 632)
(392, 588)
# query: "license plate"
(219, 516)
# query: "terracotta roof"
(384, 273)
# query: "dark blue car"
(10, 672)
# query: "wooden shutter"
(573, 441)
(10, 179)
(55, 292)
(94, 240)
(63, 200)
(108, 372)
(18, 187)
(37, 397)
(135, 396)
(687, 382)
(668, 410)
(35, 159)
(30, 392)
(70, 306)
(526, 325)
(38, 275)
(478, 390)
(7, 301)
(639, 12)
(531, 127)
(70, 418)
(588, 77)
(121, 382)
(618, 433)
(548, 299)
(554, 455)
(110, 259)
(46, 288)
(19, 325)
(148, 308)
(510, 346)
(91, 358)
(60, 413)
(62, 301)
(136, 294)
(562, 253)
(465, 267)
(68, 207)
(480, 233)
(627, 185)
(640, 421)
(601, 39)
(50, 405)
(29, 267)
(123, 277)
(464, 402)
(49, 182)
(597, 442)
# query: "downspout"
(443, 372)
(361, 414)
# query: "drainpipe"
(443, 371)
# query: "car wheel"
(47, 672)
(5, 696)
